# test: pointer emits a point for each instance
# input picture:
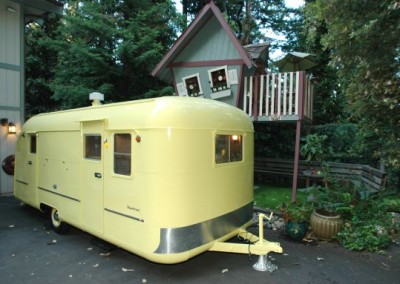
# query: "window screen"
(93, 147)
(122, 154)
(228, 148)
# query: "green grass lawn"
(271, 197)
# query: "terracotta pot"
(324, 226)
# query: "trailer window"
(93, 147)
(228, 148)
(122, 154)
(32, 143)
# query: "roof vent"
(96, 98)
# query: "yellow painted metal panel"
(174, 191)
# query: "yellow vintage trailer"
(165, 178)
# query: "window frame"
(196, 77)
(212, 80)
(90, 156)
(120, 154)
(228, 159)
(32, 143)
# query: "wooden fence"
(363, 175)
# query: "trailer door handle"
(97, 175)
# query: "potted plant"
(296, 216)
(313, 151)
(331, 202)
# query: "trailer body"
(163, 178)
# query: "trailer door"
(92, 173)
(25, 174)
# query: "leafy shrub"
(369, 228)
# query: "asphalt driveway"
(31, 253)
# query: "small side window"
(122, 154)
(218, 78)
(93, 147)
(32, 144)
(228, 148)
(193, 85)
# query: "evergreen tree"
(329, 100)
(248, 18)
(39, 65)
(363, 39)
(111, 46)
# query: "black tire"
(58, 226)
(8, 165)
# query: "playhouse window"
(192, 85)
(218, 79)
(32, 144)
(122, 154)
(228, 148)
(93, 147)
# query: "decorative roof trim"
(204, 15)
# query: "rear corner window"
(228, 148)
(122, 154)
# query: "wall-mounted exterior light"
(12, 128)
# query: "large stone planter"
(324, 226)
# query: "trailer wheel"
(8, 165)
(58, 226)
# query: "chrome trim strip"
(176, 240)
(124, 215)
(59, 194)
(20, 181)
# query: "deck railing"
(278, 96)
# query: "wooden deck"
(278, 97)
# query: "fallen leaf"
(127, 269)
(11, 226)
(52, 242)
(320, 258)
(105, 254)
(96, 265)
(225, 270)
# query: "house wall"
(204, 78)
(11, 80)
(209, 49)
(211, 43)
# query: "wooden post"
(296, 161)
(298, 136)
(256, 88)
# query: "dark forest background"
(111, 46)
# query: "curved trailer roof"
(164, 112)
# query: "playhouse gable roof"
(209, 11)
